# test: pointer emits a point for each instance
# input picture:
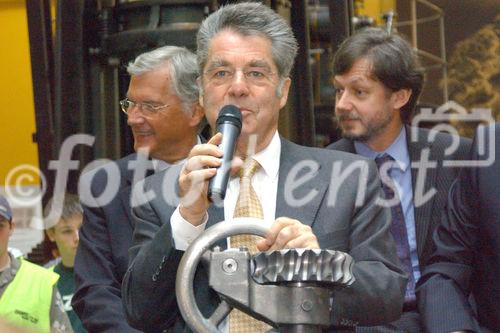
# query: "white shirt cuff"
(184, 232)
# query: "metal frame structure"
(440, 61)
(78, 72)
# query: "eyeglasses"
(146, 109)
(253, 75)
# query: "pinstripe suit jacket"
(363, 231)
(427, 216)
(467, 256)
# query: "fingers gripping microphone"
(229, 124)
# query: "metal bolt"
(306, 305)
(229, 265)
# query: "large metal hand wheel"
(187, 268)
(289, 289)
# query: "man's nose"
(239, 85)
(134, 116)
(343, 102)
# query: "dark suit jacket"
(467, 257)
(102, 255)
(426, 215)
(363, 231)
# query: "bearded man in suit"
(378, 80)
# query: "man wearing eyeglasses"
(245, 53)
(163, 112)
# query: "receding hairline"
(251, 33)
(165, 66)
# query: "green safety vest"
(26, 301)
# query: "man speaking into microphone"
(246, 52)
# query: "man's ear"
(401, 97)
(200, 87)
(197, 115)
(284, 92)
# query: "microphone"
(229, 124)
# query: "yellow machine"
(17, 124)
(374, 8)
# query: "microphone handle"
(218, 184)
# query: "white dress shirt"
(160, 165)
(264, 182)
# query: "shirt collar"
(160, 165)
(269, 157)
(397, 150)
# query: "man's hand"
(200, 166)
(286, 233)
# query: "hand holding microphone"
(210, 161)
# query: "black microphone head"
(229, 114)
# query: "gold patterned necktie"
(247, 205)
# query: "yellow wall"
(375, 8)
(17, 113)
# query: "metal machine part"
(289, 289)
(323, 267)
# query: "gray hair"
(70, 207)
(250, 19)
(183, 71)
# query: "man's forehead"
(355, 76)
(360, 72)
(229, 42)
(347, 79)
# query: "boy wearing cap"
(28, 294)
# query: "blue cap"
(5, 209)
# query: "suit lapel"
(125, 190)
(423, 212)
(125, 195)
(344, 145)
(290, 157)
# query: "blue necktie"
(398, 228)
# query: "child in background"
(28, 293)
(65, 234)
